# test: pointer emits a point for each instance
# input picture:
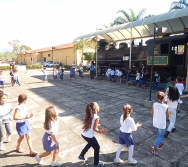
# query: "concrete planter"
(148, 103)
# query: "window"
(48, 55)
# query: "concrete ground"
(70, 99)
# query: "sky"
(45, 23)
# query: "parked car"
(55, 64)
(49, 64)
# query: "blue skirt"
(48, 143)
(23, 128)
(125, 138)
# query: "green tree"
(80, 45)
(181, 4)
(126, 17)
(88, 56)
(17, 47)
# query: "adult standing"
(92, 69)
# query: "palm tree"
(181, 4)
(128, 18)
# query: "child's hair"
(160, 96)
(127, 109)
(90, 110)
(1, 94)
(173, 93)
(50, 115)
(179, 79)
(22, 98)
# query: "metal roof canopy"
(175, 22)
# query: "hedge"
(4, 67)
(34, 66)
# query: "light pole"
(152, 62)
(53, 48)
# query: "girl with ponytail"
(91, 123)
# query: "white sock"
(131, 148)
(119, 151)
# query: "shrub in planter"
(67, 67)
(34, 66)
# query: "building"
(61, 53)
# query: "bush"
(34, 66)
(67, 67)
(4, 68)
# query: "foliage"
(4, 67)
(67, 67)
(80, 45)
(34, 66)
(88, 56)
(128, 18)
(181, 4)
(17, 47)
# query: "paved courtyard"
(70, 99)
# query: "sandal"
(33, 154)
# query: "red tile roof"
(63, 46)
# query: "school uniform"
(48, 143)
(88, 135)
(124, 134)
(22, 126)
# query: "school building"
(64, 53)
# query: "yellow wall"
(65, 56)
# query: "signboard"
(158, 60)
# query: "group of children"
(23, 128)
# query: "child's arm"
(167, 113)
(54, 138)
(184, 96)
(96, 129)
(151, 111)
(16, 117)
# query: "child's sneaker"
(160, 146)
(55, 163)
(39, 160)
(118, 161)
(132, 161)
(82, 158)
(2, 147)
(99, 164)
(153, 149)
(173, 129)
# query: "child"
(137, 77)
(180, 87)
(81, 71)
(5, 119)
(72, 73)
(22, 125)
(91, 124)
(172, 102)
(127, 126)
(143, 80)
(45, 74)
(160, 113)
(112, 74)
(61, 73)
(2, 79)
(156, 81)
(55, 74)
(128, 78)
(49, 140)
(15, 78)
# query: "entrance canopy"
(175, 22)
